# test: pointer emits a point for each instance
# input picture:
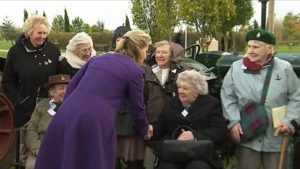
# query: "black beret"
(261, 35)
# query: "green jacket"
(37, 125)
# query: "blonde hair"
(31, 21)
(132, 43)
(194, 78)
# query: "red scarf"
(251, 65)
(254, 66)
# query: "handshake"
(149, 133)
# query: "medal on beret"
(261, 35)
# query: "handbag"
(254, 116)
(172, 150)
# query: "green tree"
(77, 24)
(255, 24)
(94, 29)
(206, 16)
(67, 22)
(58, 24)
(167, 9)
(127, 22)
(240, 15)
(35, 12)
(98, 27)
(144, 16)
(44, 14)
(25, 15)
(10, 31)
(291, 27)
(1, 34)
(86, 28)
(150, 15)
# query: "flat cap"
(261, 35)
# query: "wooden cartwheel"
(7, 131)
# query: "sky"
(111, 12)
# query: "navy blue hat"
(119, 32)
(261, 35)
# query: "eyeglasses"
(86, 49)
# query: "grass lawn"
(5, 44)
(3, 54)
(287, 49)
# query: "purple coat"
(83, 134)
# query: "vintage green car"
(216, 64)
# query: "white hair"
(79, 38)
(269, 46)
(194, 78)
(70, 54)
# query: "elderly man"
(244, 83)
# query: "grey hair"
(194, 78)
(31, 21)
(161, 43)
(165, 42)
(266, 45)
(79, 38)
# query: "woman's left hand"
(186, 135)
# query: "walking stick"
(284, 144)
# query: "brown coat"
(157, 95)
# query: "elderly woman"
(30, 61)
(42, 115)
(29, 64)
(244, 83)
(199, 113)
(160, 85)
(79, 50)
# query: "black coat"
(25, 73)
(205, 118)
(65, 68)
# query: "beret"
(261, 35)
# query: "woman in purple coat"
(83, 134)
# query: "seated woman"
(42, 115)
(199, 113)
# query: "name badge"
(155, 69)
(184, 113)
(51, 112)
